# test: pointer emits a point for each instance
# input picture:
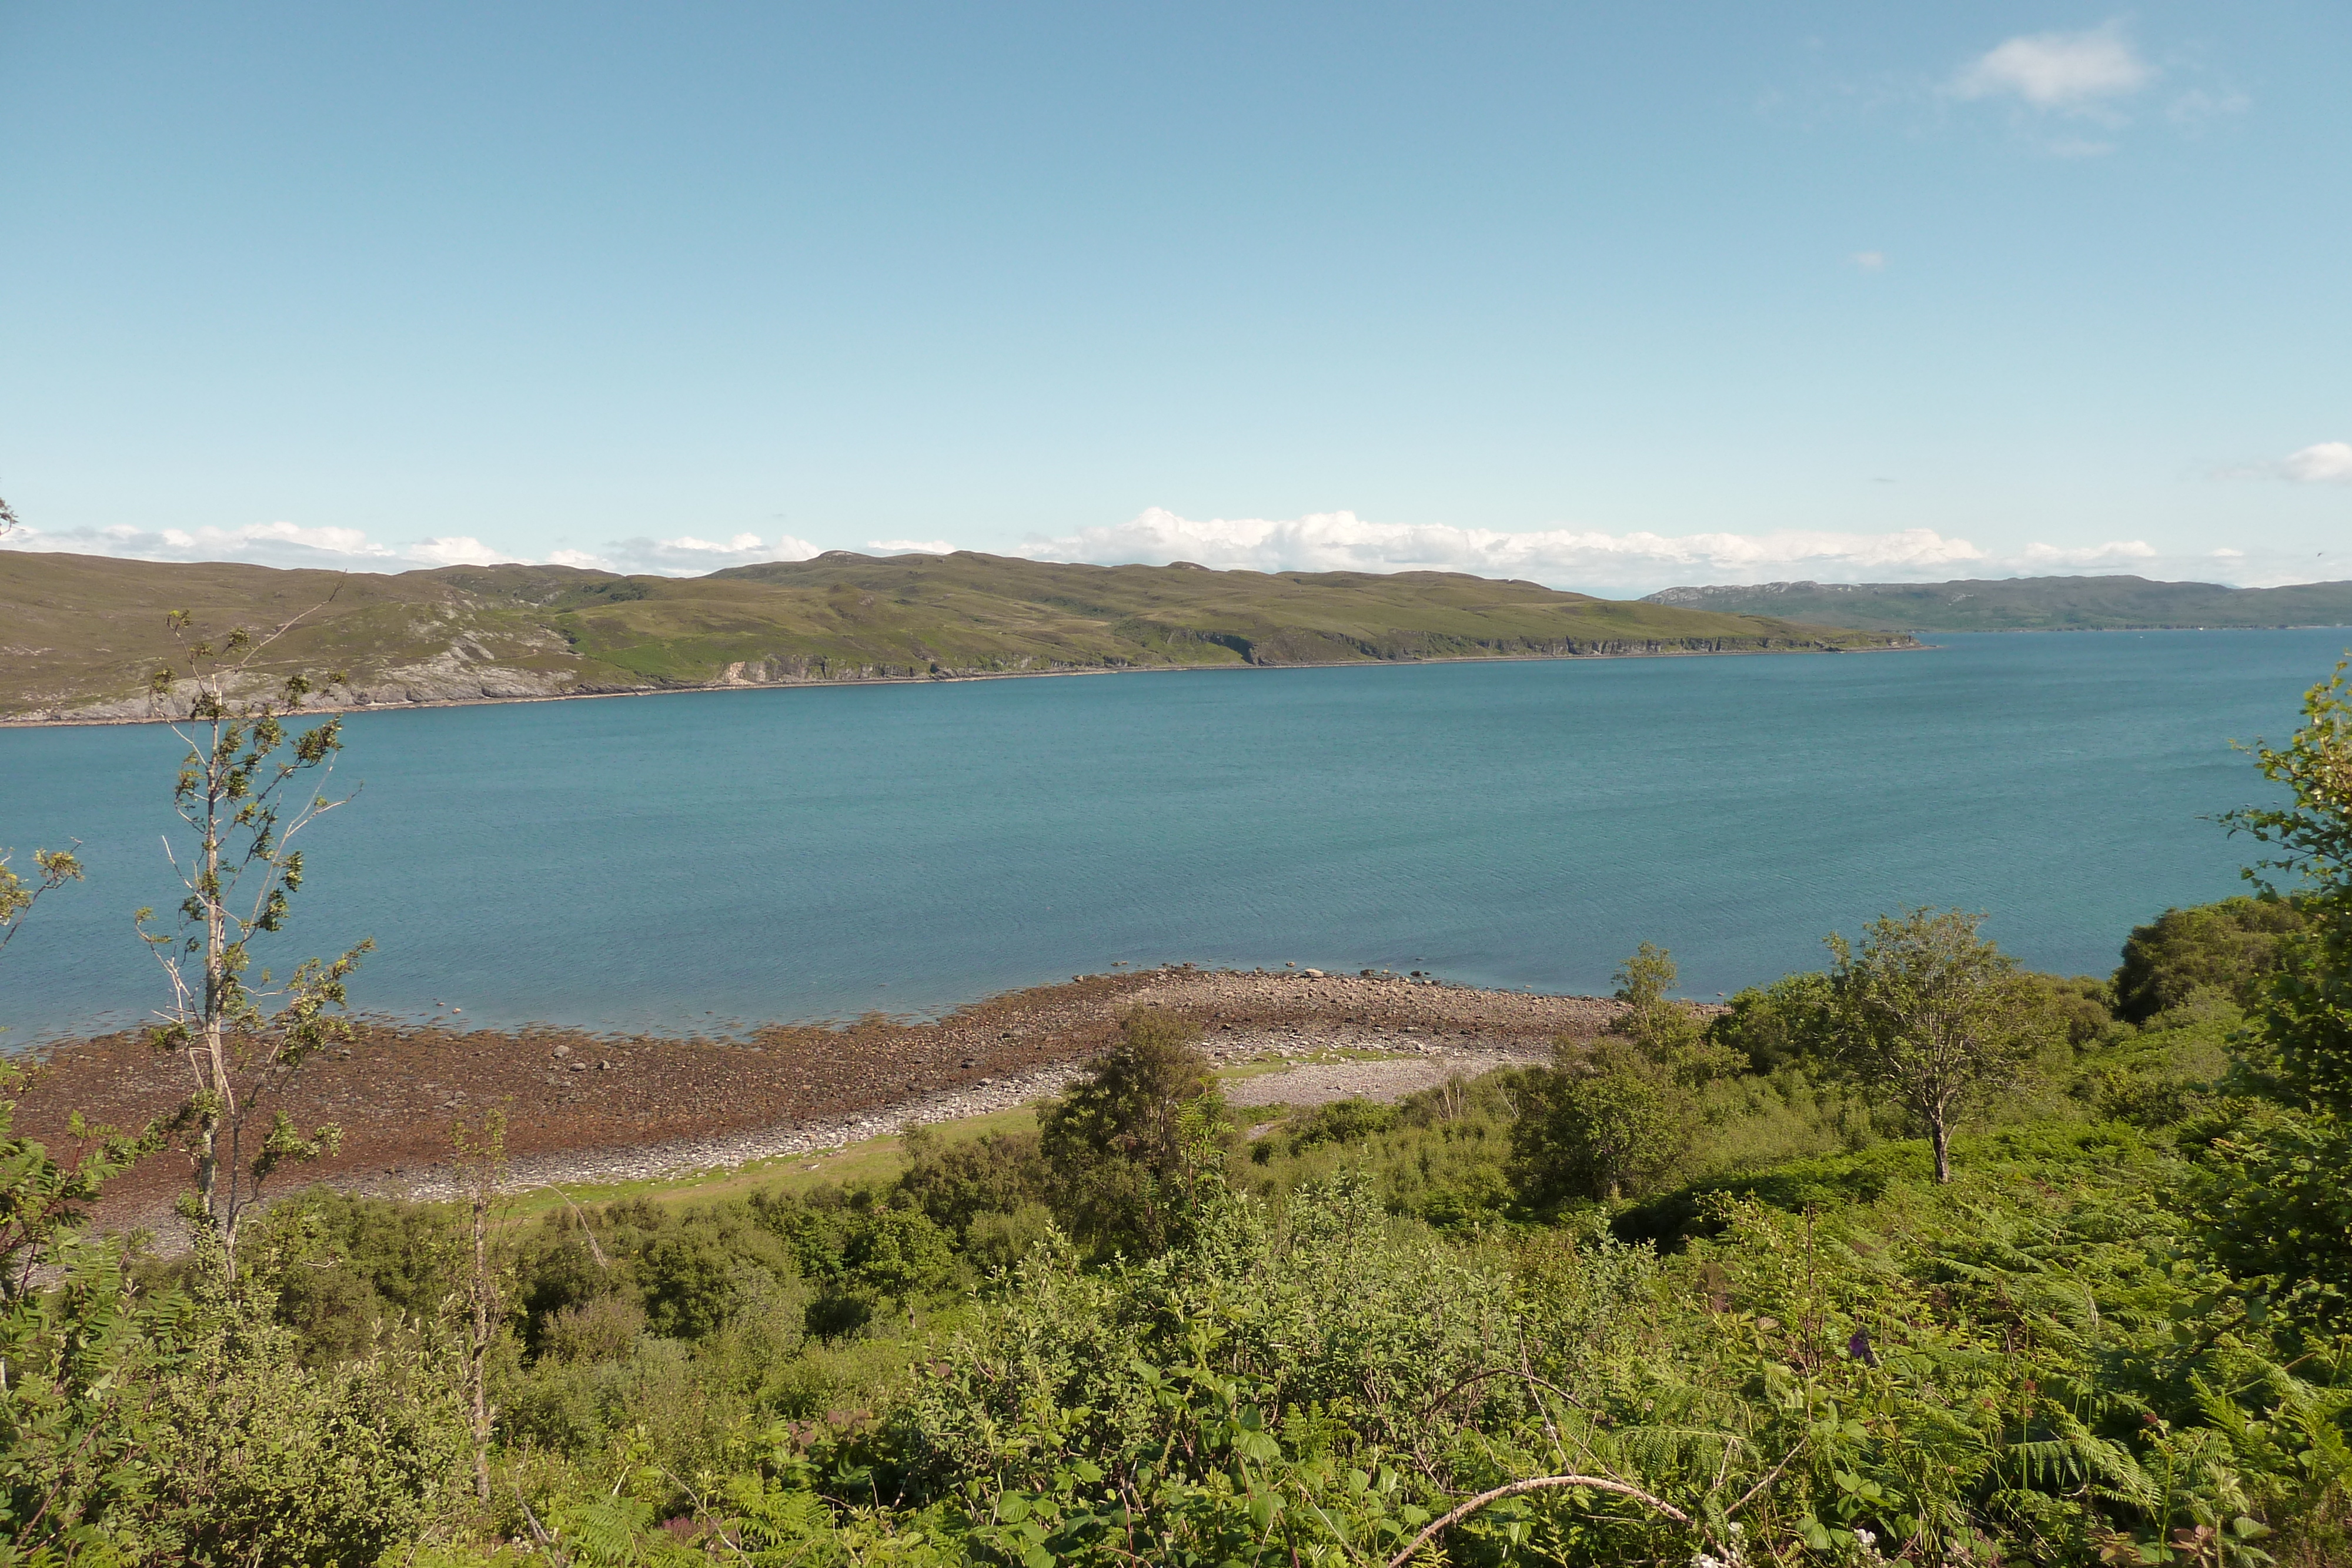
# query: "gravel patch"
(1321, 1082)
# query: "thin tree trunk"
(215, 1046)
(477, 1355)
(1942, 1135)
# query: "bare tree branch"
(1537, 1483)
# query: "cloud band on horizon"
(1588, 558)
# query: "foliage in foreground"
(2044, 1360)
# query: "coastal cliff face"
(85, 635)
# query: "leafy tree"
(257, 1459)
(1779, 1025)
(1611, 1126)
(1931, 1016)
(1615, 1121)
(2231, 948)
(898, 1253)
(2273, 1209)
(2078, 1005)
(955, 1182)
(2305, 1017)
(241, 1041)
(1666, 1031)
(73, 1340)
(44, 1203)
(1125, 1142)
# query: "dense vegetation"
(2027, 603)
(91, 629)
(1705, 1294)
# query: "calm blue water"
(669, 863)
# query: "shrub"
(1340, 1122)
(260, 1461)
(954, 1183)
(1779, 1025)
(2229, 948)
(1614, 1127)
(603, 1328)
(1122, 1141)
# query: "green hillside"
(81, 633)
(2026, 604)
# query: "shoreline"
(973, 676)
(591, 1109)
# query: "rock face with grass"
(83, 633)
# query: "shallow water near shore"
(684, 863)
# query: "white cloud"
(2059, 70)
(267, 544)
(2114, 552)
(283, 544)
(924, 547)
(1869, 260)
(461, 549)
(1563, 557)
(686, 555)
(2326, 463)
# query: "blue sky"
(1612, 298)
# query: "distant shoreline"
(1915, 646)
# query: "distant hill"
(81, 633)
(2026, 604)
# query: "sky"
(1611, 297)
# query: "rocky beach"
(590, 1108)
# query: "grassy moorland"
(2027, 605)
(84, 632)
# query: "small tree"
(44, 1204)
(2304, 1012)
(1127, 1141)
(2274, 1211)
(1615, 1118)
(1931, 1016)
(482, 1157)
(70, 1341)
(1667, 1033)
(242, 1042)
(1604, 1127)
(1779, 1025)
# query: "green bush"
(1617, 1127)
(2229, 948)
(258, 1460)
(1122, 1143)
(1776, 1026)
(955, 1182)
(1340, 1122)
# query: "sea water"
(704, 860)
